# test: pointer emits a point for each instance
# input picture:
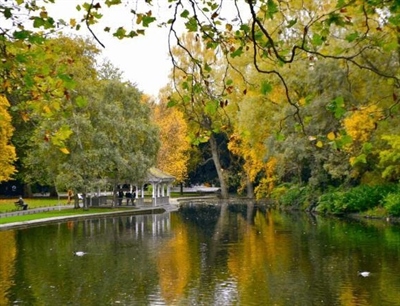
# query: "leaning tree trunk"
(215, 157)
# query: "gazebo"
(161, 183)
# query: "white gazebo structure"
(161, 183)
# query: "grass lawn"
(57, 213)
(7, 205)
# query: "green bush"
(392, 204)
(357, 199)
(295, 196)
(330, 202)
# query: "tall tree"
(104, 131)
(173, 156)
(204, 107)
(7, 150)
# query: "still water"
(203, 255)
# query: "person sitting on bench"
(21, 203)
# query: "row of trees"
(303, 94)
(77, 124)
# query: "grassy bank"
(57, 213)
(7, 205)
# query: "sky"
(144, 60)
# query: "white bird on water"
(364, 273)
(79, 253)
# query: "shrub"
(357, 199)
(295, 196)
(330, 202)
(392, 204)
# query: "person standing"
(70, 195)
(128, 196)
(120, 197)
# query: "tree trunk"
(27, 193)
(76, 199)
(249, 188)
(215, 157)
(53, 192)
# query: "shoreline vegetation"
(292, 199)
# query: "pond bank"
(126, 211)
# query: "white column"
(154, 185)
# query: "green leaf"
(172, 103)
(337, 107)
(245, 28)
(266, 87)
(336, 19)
(342, 141)
(352, 37)
(21, 58)
(279, 137)
(191, 25)
(291, 23)
(207, 67)
(367, 147)
(81, 101)
(360, 159)
(317, 40)
(22, 35)
(185, 14)
(120, 33)
(237, 52)
(147, 20)
(185, 85)
(272, 9)
(38, 22)
(211, 107)
(68, 81)
(7, 13)
(112, 2)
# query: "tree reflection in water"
(205, 254)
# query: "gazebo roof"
(155, 175)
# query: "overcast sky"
(144, 59)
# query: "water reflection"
(212, 254)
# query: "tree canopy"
(306, 92)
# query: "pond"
(221, 254)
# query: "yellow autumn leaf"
(46, 109)
(72, 22)
(228, 27)
(319, 144)
(331, 136)
(64, 150)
